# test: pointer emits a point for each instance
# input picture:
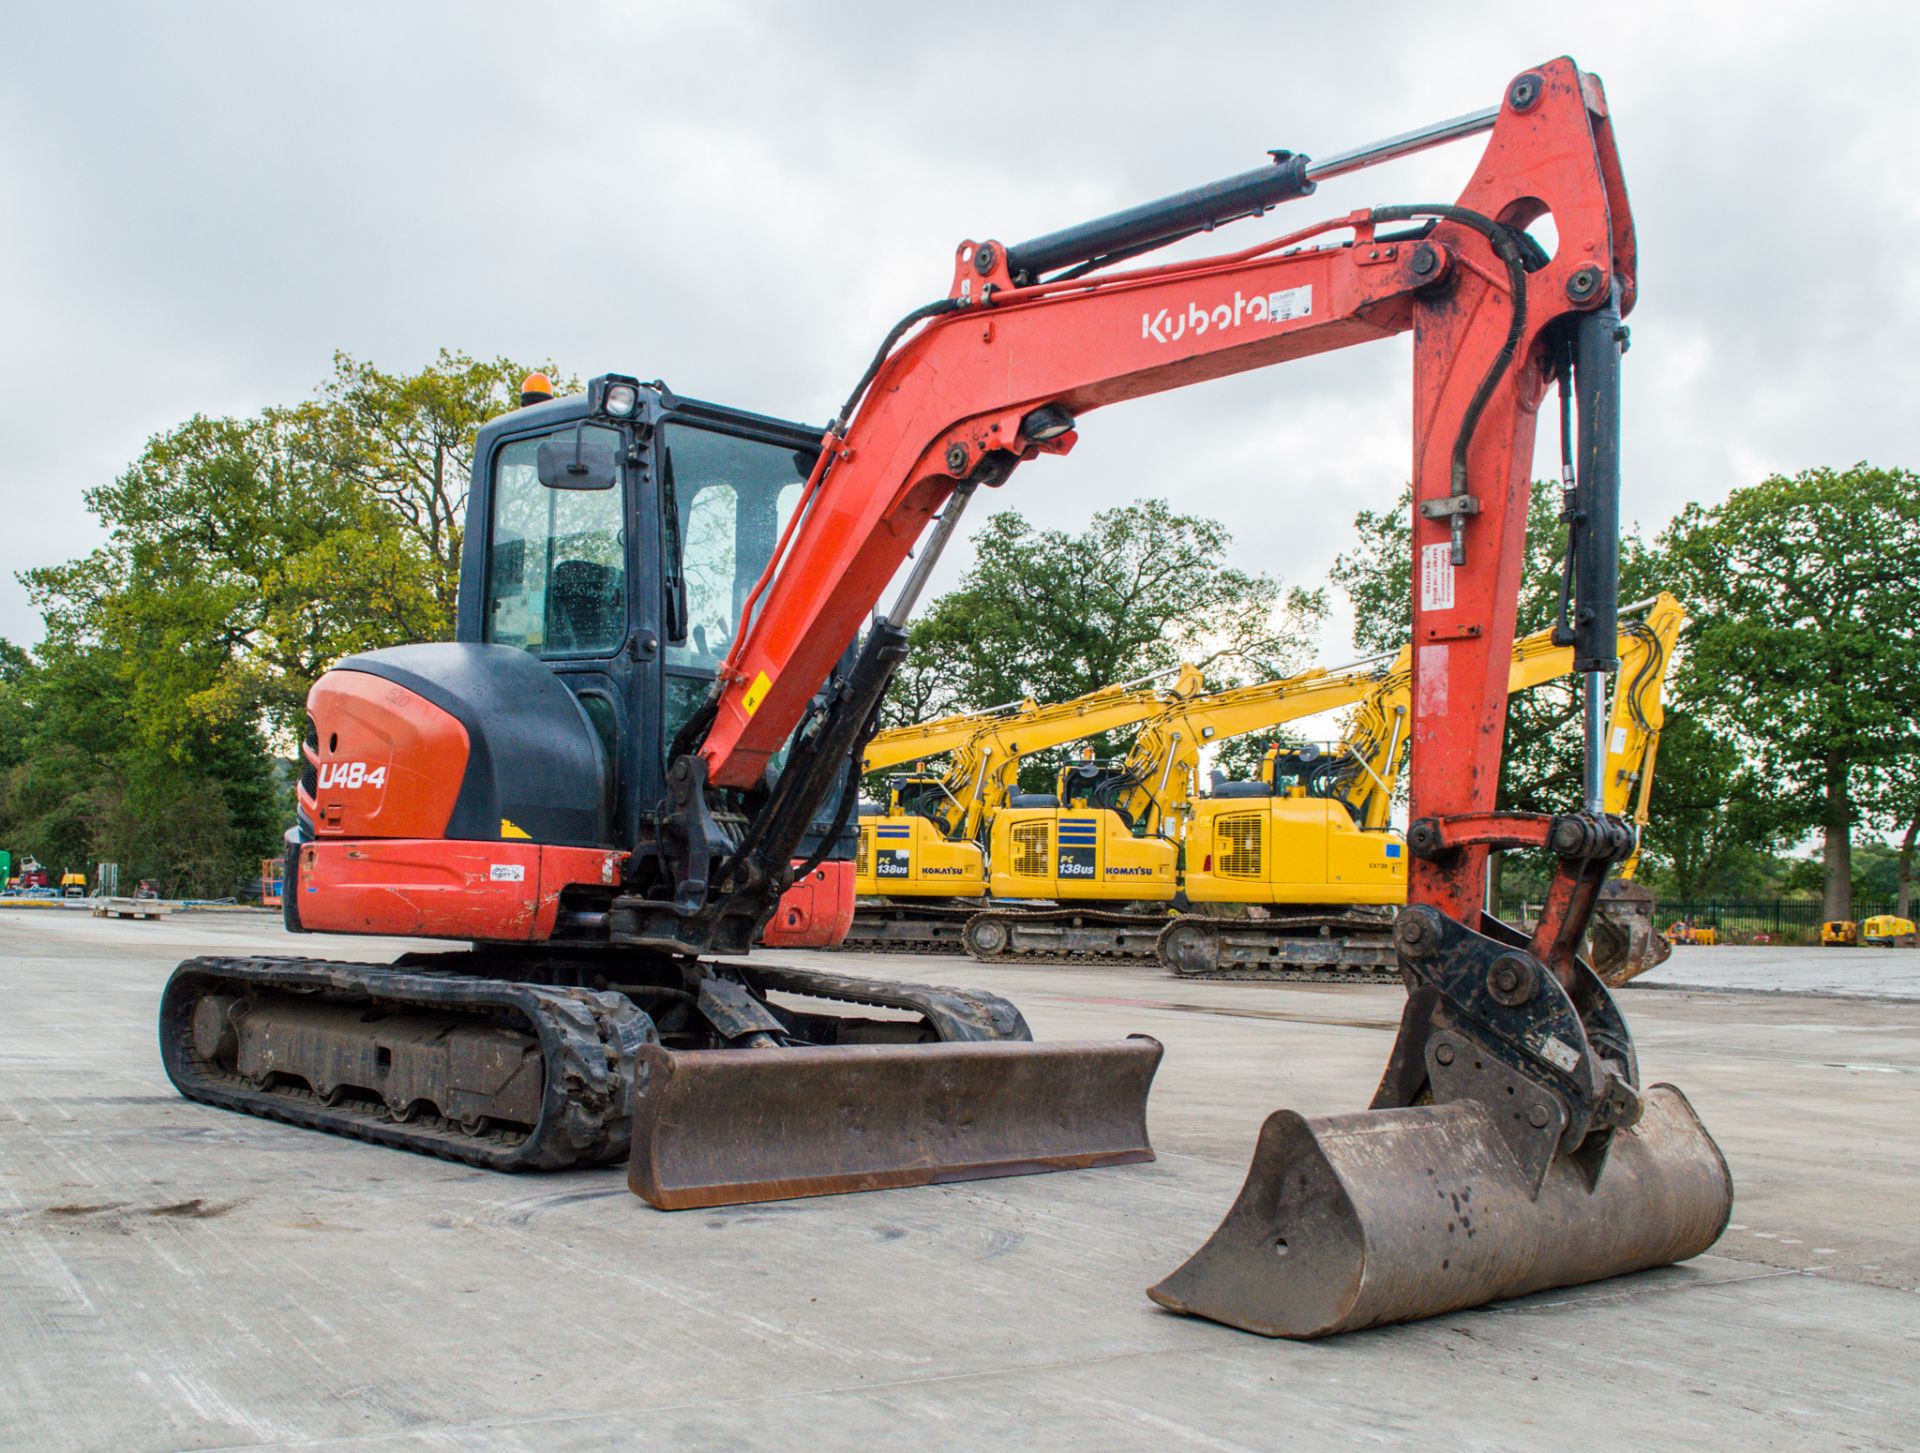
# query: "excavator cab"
(905, 849)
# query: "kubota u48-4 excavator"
(566, 787)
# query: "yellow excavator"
(1306, 846)
(1111, 833)
(919, 870)
(1625, 942)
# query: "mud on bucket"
(1351, 1221)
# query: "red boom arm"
(954, 395)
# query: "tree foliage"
(242, 558)
(1052, 615)
(1805, 643)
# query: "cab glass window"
(556, 559)
(733, 498)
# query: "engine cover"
(452, 740)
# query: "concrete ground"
(173, 1276)
(1874, 973)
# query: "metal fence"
(1737, 920)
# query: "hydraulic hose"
(1517, 251)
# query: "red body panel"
(389, 762)
(440, 888)
(816, 912)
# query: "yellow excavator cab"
(902, 853)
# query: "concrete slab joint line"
(174, 1277)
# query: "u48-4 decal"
(350, 775)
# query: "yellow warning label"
(507, 829)
(756, 693)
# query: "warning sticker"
(1290, 303)
(1436, 577)
(1619, 740)
(507, 872)
(756, 693)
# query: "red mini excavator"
(649, 715)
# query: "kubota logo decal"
(350, 775)
(1170, 326)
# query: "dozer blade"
(722, 1127)
(1625, 942)
(1351, 1221)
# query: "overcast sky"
(204, 201)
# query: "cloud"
(205, 200)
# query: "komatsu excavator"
(605, 781)
(1315, 850)
(920, 873)
(1105, 846)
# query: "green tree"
(407, 441)
(243, 558)
(1806, 625)
(1543, 749)
(1052, 615)
(1708, 836)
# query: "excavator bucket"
(1351, 1221)
(722, 1127)
(1625, 942)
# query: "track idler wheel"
(986, 936)
(1189, 946)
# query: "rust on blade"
(1351, 1221)
(723, 1127)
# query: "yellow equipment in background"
(1310, 849)
(1884, 930)
(1625, 941)
(1111, 834)
(919, 870)
(1294, 867)
(1839, 933)
(899, 851)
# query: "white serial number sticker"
(1561, 1055)
(1436, 577)
(1290, 303)
(507, 873)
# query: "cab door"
(559, 584)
